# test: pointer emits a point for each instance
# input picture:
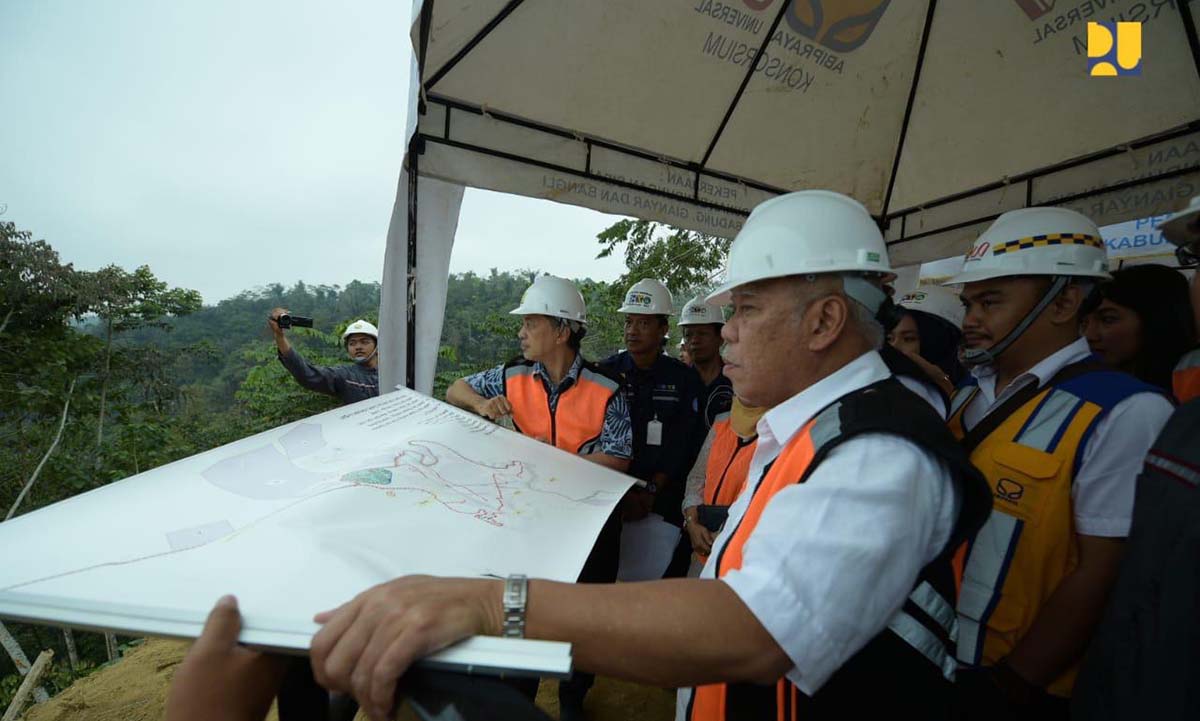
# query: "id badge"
(654, 433)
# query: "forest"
(105, 374)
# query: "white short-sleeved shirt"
(832, 560)
(1102, 494)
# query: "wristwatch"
(516, 595)
(651, 487)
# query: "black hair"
(576, 329)
(940, 343)
(1159, 296)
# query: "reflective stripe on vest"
(709, 703)
(576, 422)
(1028, 544)
(1185, 381)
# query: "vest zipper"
(553, 422)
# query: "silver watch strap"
(516, 595)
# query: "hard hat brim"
(1183, 228)
(974, 276)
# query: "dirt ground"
(135, 689)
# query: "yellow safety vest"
(1029, 542)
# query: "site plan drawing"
(301, 518)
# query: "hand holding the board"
(220, 680)
(366, 645)
(494, 408)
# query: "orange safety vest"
(728, 465)
(576, 422)
(1185, 381)
(913, 659)
(1029, 543)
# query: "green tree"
(685, 260)
(124, 301)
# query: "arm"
(616, 463)
(481, 393)
(693, 495)
(321, 379)
(1064, 626)
(660, 633)
(616, 437)
(281, 341)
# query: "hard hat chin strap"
(982, 356)
(364, 361)
(865, 292)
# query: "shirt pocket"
(1024, 481)
(666, 404)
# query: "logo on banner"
(1114, 49)
(840, 25)
(1036, 8)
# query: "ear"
(824, 320)
(1064, 309)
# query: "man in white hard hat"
(347, 383)
(550, 391)
(553, 394)
(826, 594)
(1061, 438)
(701, 323)
(663, 396)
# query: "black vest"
(908, 667)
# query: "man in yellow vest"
(1061, 439)
(828, 594)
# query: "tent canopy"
(936, 116)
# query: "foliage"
(160, 377)
(685, 260)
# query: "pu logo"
(637, 297)
(698, 310)
(840, 25)
(914, 297)
(1114, 48)
(1036, 8)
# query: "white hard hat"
(699, 312)
(360, 327)
(811, 231)
(1036, 241)
(936, 300)
(648, 297)
(1183, 228)
(552, 296)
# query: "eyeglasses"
(1187, 256)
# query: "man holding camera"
(348, 383)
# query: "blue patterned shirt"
(616, 437)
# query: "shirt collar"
(1042, 371)
(786, 419)
(572, 372)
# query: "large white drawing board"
(301, 518)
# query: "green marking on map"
(370, 476)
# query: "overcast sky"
(229, 145)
